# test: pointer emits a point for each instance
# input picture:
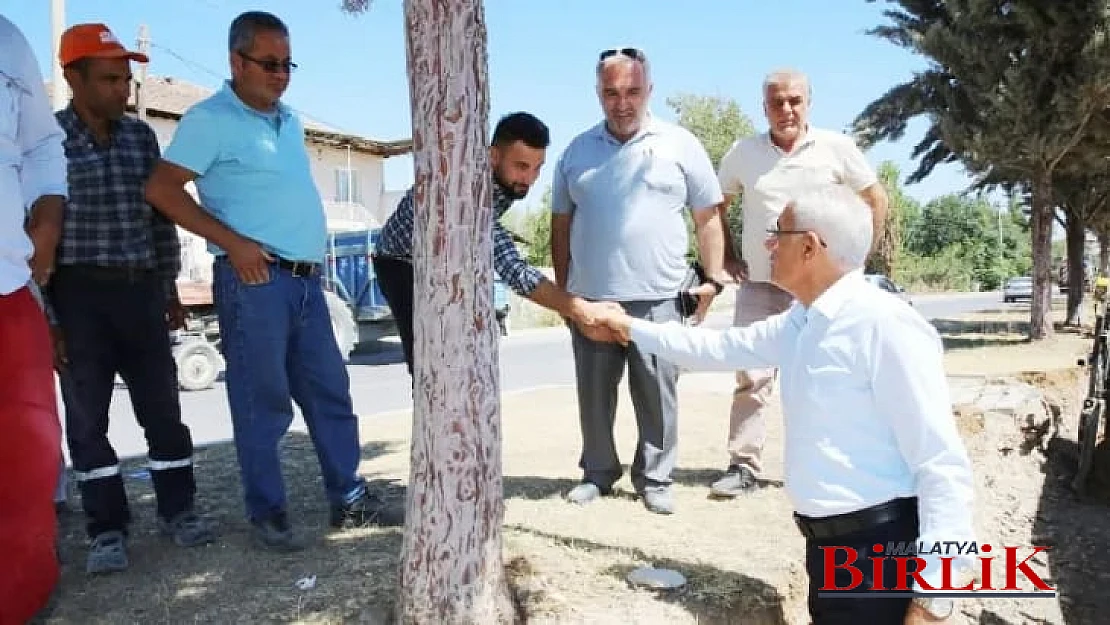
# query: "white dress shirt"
(32, 161)
(866, 404)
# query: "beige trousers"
(747, 427)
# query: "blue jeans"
(279, 345)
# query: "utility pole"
(60, 95)
(140, 82)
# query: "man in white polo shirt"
(617, 234)
(766, 170)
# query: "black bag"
(687, 303)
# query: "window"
(348, 186)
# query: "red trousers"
(30, 449)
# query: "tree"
(535, 229)
(1010, 91)
(717, 123)
(451, 559)
(884, 257)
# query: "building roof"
(168, 97)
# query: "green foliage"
(717, 123)
(533, 228)
(957, 242)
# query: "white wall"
(376, 203)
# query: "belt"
(393, 257)
(820, 528)
(114, 274)
(299, 268)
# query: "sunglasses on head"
(271, 66)
(633, 53)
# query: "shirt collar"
(829, 303)
(284, 112)
(650, 126)
(72, 123)
(806, 141)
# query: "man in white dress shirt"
(32, 195)
(872, 454)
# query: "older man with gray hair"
(872, 454)
(765, 170)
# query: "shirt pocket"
(11, 93)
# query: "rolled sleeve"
(513, 269)
(43, 170)
(910, 385)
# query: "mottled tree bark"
(451, 565)
(1076, 242)
(1041, 220)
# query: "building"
(348, 169)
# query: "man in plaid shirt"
(520, 143)
(114, 296)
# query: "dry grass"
(742, 559)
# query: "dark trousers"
(826, 610)
(280, 348)
(115, 323)
(396, 281)
(652, 382)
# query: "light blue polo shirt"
(628, 239)
(253, 174)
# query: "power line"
(222, 77)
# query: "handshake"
(608, 322)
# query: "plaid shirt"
(107, 221)
(395, 241)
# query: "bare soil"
(567, 564)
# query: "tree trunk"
(1076, 239)
(1040, 322)
(1103, 253)
(451, 563)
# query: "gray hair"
(240, 36)
(785, 76)
(622, 58)
(840, 217)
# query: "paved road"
(380, 383)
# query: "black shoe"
(737, 480)
(368, 509)
(275, 533)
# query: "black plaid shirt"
(107, 222)
(396, 241)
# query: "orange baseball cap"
(93, 41)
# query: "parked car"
(889, 286)
(1017, 288)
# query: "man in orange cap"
(114, 296)
(32, 176)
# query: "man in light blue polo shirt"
(264, 220)
(618, 234)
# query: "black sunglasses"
(271, 66)
(633, 53)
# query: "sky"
(352, 69)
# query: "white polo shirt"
(628, 238)
(768, 177)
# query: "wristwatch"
(716, 285)
(937, 607)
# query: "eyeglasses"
(271, 66)
(774, 233)
(633, 53)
